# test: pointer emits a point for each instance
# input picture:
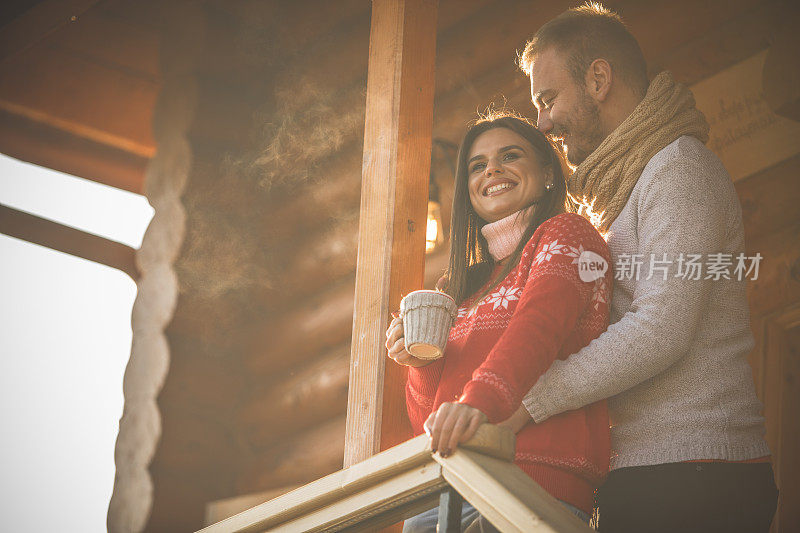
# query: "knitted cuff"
(537, 408)
(484, 398)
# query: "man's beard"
(584, 131)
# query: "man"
(687, 437)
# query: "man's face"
(565, 109)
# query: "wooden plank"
(68, 240)
(391, 252)
(38, 23)
(505, 495)
(298, 399)
(219, 510)
(54, 148)
(298, 458)
(410, 456)
(70, 93)
(348, 514)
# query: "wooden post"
(394, 195)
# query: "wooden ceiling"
(78, 84)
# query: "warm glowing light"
(434, 234)
(586, 209)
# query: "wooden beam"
(68, 240)
(54, 148)
(391, 250)
(77, 95)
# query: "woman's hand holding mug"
(395, 345)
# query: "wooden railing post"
(394, 194)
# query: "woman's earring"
(548, 187)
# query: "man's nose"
(543, 122)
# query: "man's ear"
(598, 79)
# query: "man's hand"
(518, 420)
(396, 346)
(451, 424)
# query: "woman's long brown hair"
(471, 264)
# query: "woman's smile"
(497, 187)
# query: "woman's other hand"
(451, 424)
(395, 345)
(518, 420)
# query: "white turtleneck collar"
(503, 235)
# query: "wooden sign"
(745, 134)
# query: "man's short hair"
(587, 33)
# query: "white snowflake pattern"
(599, 292)
(554, 248)
(463, 312)
(503, 296)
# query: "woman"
(516, 250)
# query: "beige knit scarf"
(609, 174)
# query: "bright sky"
(65, 338)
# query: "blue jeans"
(426, 522)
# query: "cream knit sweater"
(673, 362)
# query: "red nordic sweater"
(496, 351)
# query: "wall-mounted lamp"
(434, 234)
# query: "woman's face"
(503, 174)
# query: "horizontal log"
(43, 232)
(330, 255)
(202, 376)
(315, 326)
(193, 442)
(297, 400)
(51, 147)
(81, 97)
(303, 458)
(314, 205)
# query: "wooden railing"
(408, 479)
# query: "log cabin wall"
(262, 107)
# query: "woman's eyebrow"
(501, 150)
